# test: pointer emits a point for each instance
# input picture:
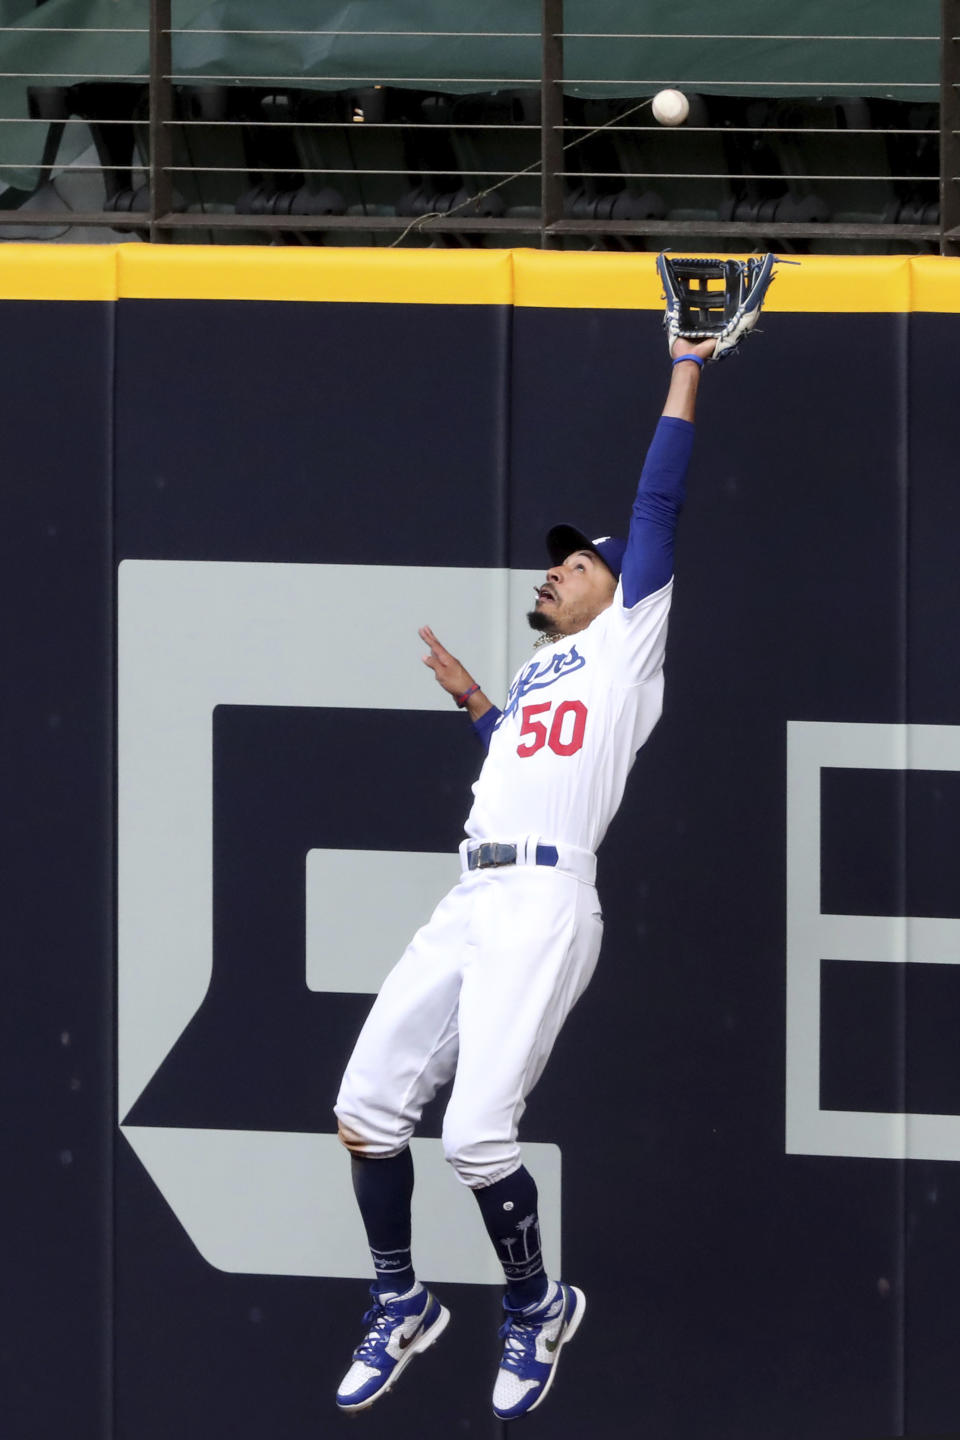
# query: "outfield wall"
(236, 481)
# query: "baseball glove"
(706, 298)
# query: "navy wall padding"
(735, 1290)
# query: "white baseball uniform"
(484, 987)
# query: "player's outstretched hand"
(703, 348)
(448, 670)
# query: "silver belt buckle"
(490, 854)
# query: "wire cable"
(532, 168)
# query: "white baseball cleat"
(532, 1341)
(400, 1326)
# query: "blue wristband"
(697, 359)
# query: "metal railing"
(550, 156)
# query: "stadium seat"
(829, 137)
(108, 108)
(354, 144)
(490, 145)
(212, 164)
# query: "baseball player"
(484, 987)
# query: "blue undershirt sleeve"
(648, 561)
(483, 728)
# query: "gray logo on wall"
(813, 936)
(195, 635)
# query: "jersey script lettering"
(538, 675)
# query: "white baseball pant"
(480, 993)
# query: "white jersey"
(575, 717)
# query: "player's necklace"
(542, 640)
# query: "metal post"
(551, 106)
(161, 115)
(949, 128)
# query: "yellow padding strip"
(577, 280)
(58, 272)
(936, 283)
(378, 276)
(835, 283)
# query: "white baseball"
(670, 107)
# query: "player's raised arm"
(648, 559)
(681, 401)
(702, 324)
(453, 677)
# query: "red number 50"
(563, 738)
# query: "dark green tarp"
(13, 10)
(614, 47)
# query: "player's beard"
(538, 620)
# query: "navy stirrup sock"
(384, 1189)
(509, 1210)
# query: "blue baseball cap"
(562, 540)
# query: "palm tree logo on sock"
(526, 1262)
(524, 1226)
